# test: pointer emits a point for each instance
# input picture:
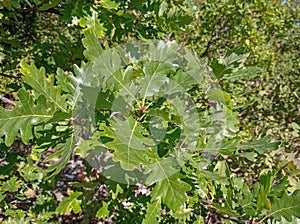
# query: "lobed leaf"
(171, 191)
(22, 119)
(153, 211)
(42, 85)
(103, 212)
(285, 207)
(63, 153)
(70, 203)
(93, 48)
(261, 145)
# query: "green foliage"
(70, 203)
(153, 211)
(24, 117)
(266, 102)
(44, 86)
(287, 207)
(172, 192)
(168, 187)
(130, 117)
(103, 212)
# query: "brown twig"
(214, 37)
(6, 100)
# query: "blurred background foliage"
(269, 31)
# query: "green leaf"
(130, 158)
(234, 60)
(1, 54)
(261, 145)
(2, 196)
(10, 5)
(105, 100)
(131, 133)
(160, 60)
(103, 212)
(219, 69)
(244, 196)
(183, 79)
(159, 68)
(284, 221)
(232, 67)
(265, 183)
(67, 82)
(14, 217)
(107, 64)
(31, 173)
(120, 80)
(42, 85)
(285, 207)
(171, 191)
(93, 24)
(85, 76)
(165, 53)
(151, 86)
(160, 169)
(280, 187)
(128, 143)
(228, 147)
(230, 126)
(11, 185)
(63, 153)
(222, 169)
(70, 203)
(93, 48)
(162, 8)
(225, 209)
(153, 212)
(59, 116)
(245, 73)
(248, 155)
(22, 119)
(217, 95)
(118, 190)
(108, 4)
(197, 68)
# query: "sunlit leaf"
(153, 211)
(70, 203)
(285, 207)
(21, 120)
(172, 192)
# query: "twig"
(215, 36)
(4, 99)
